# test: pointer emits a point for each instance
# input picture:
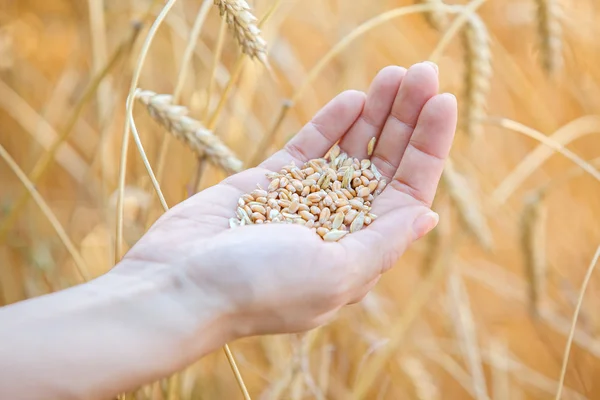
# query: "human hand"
(279, 278)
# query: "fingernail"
(425, 223)
(432, 65)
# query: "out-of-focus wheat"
(437, 19)
(533, 242)
(192, 132)
(478, 72)
(467, 205)
(550, 31)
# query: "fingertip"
(390, 73)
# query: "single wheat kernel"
(371, 146)
(350, 215)
(334, 152)
(338, 220)
(324, 216)
(322, 231)
(334, 235)
(358, 222)
(363, 192)
(259, 209)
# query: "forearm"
(97, 339)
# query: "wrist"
(194, 322)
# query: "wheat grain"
(192, 132)
(533, 242)
(238, 15)
(467, 205)
(332, 196)
(478, 72)
(550, 32)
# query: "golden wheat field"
(482, 308)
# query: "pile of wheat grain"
(331, 195)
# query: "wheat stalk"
(190, 131)
(467, 204)
(466, 332)
(533, 242)
(478, 72)
(550, 31)
(238, 15)
(584, 285)
(425, 388)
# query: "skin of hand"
(191, 284)
(279, 278)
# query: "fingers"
(418, 86)
(325, 129)
(378, 105)
(423, 162)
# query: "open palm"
(283, 278)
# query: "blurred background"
(479, 309)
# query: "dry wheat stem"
(332, 196)
(464, 326)
(467, 205)
(181, 78)
(400, 328)
(511, 289)
(37, 197)
(550, 31)
(126, 129)
(356, 33)
(200, 140)
(566, 134)
(519, 370)
(498, 351)
(437, 19)
(533, 242)
(213, 69)
(238, 15)
(477, 75)
(547, 141)
(584, 285)
(45, 161)
(451, 367)
(424, 386)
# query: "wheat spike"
(533, 242)
(550, 31)
(467, 204)
(190, 131)
(238, 15)
(478, 72)
(437, 19)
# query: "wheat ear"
(478, 72)
(202, 141)
(550, 31)
(238, 15)
(437, 18)
(467, 205)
